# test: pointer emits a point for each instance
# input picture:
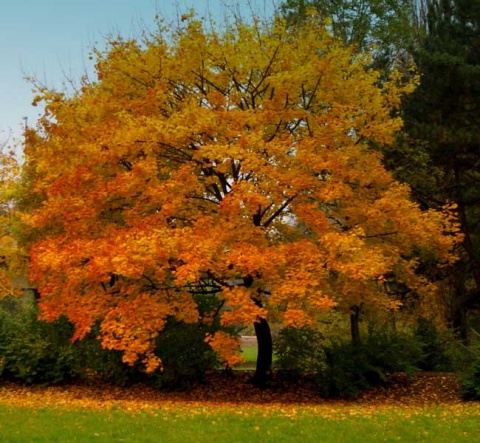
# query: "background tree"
(443, 121)
(237, 163)
(381, 27)
(438, 153)
(11, 257)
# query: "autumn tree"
(11, 258)
(237, 162)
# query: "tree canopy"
(239, 162)
(382, 27)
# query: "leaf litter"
(406, 395)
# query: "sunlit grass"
(249, 353)
(246, 424)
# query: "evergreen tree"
(442, 120)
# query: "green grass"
(249, 353)
(244, 425)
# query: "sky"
(51, 40)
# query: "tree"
(442, 118)
(237, 163)
(382, 27)
(11, 257)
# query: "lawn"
(249, 351)
(212, 424)
(249, 354)
(425, 408)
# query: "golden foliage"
(203, 159)
(12, 256)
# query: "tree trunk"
(459, 308)
(459, 323)
(263, 372)
(354, 325)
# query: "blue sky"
(51, 39)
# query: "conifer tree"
(442, 119)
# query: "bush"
(35, 351)
(434, 346)
(185, 355)
(298, 350)
(469, 377)
(345, 371)
(349, 369)
(93, 362)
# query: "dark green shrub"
(435, 347)
(185, 355)
(394, 352)
(93, 362)
(35, 351)
(298, 350)
(469, 376)
(349, 369)
(344, 372)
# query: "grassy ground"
(249, 354)
(287, 424)
(425, 408)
